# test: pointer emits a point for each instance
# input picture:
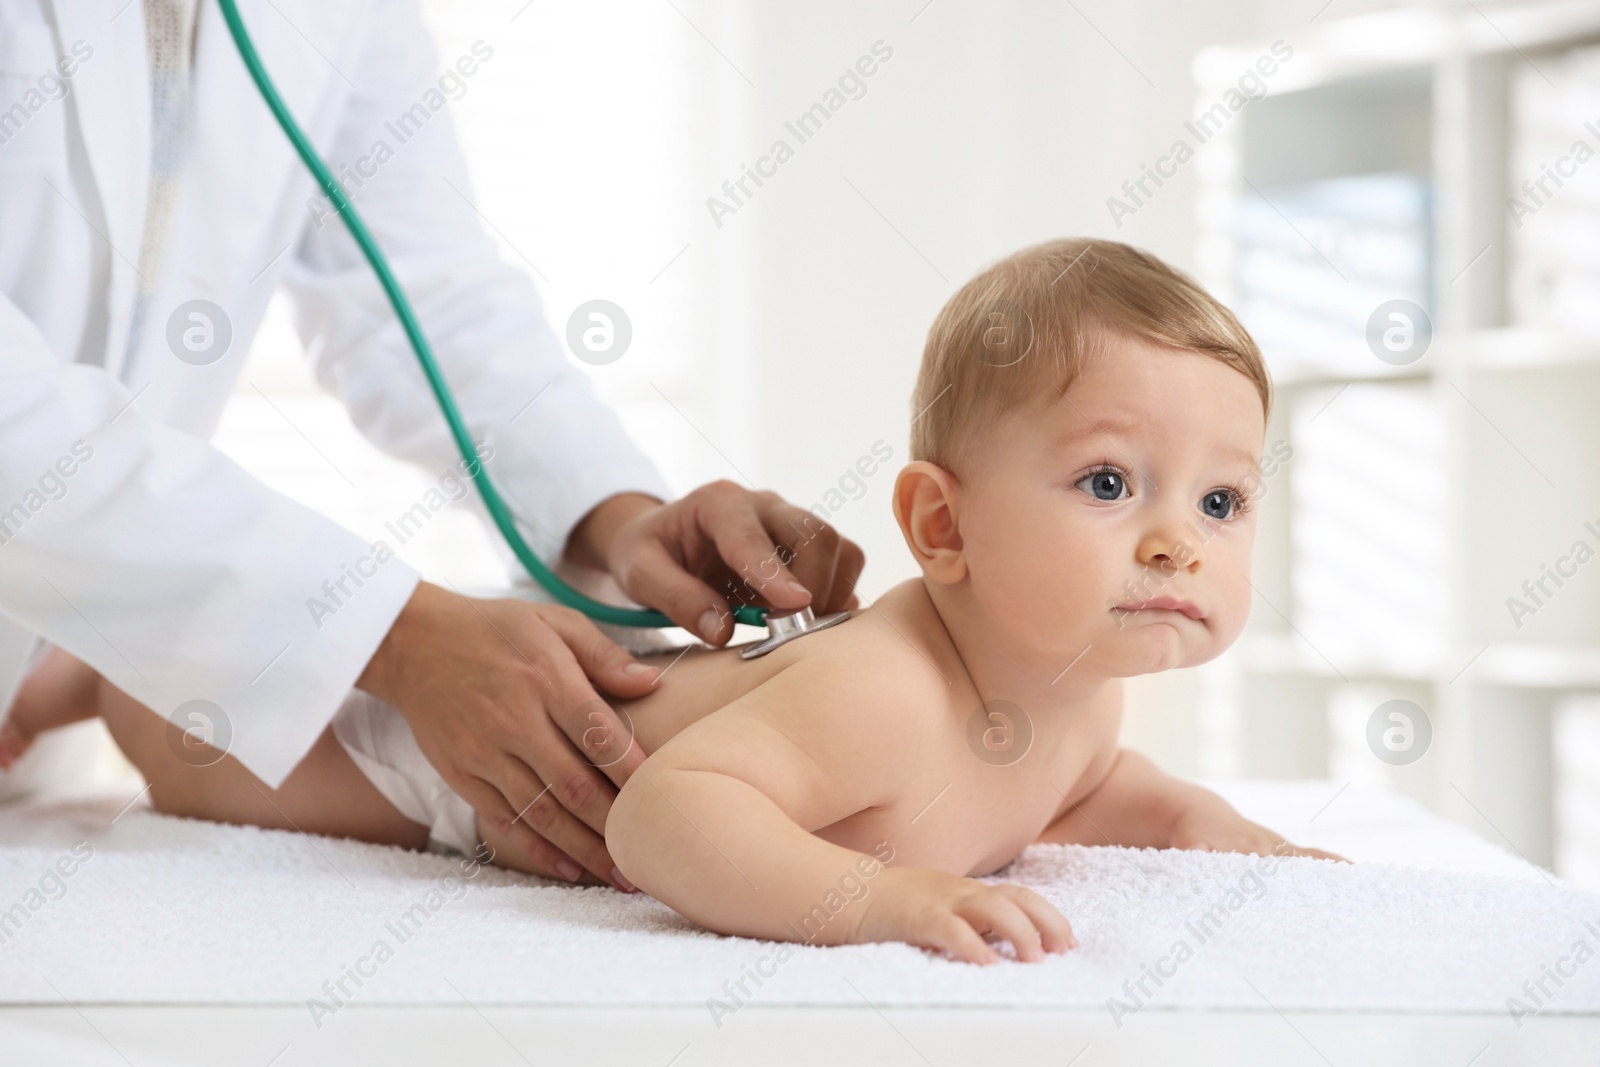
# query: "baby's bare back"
(974, 782)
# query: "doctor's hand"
(687, 559)
(498, 695)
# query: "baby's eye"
(1104, 485)
(1220, 503)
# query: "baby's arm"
(1139, 805)
(717, 824)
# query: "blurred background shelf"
(1339, 51)
(1532, 666)
(1430, 492)
(1522, 347)
(1271, 652)
(1538, 667)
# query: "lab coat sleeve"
(152, 557)
(556, 450)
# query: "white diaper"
(380, 742)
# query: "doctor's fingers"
(658, 579)
(549, 817)
(742, 526)
(497, 815)
(546, 831)
(566, 781)
(810, 546)
(603, 736)
(825, 562)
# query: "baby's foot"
(62, 690)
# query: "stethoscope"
(781, 629)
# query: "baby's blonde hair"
(1027, 322)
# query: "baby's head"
(1086, 430)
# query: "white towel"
(170, 910)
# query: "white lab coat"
(124, 537)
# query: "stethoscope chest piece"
(781, 629)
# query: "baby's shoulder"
(864, 672)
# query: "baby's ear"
(927, 505)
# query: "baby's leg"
(325, 794)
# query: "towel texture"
(153, 909)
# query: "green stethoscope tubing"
(503, 520)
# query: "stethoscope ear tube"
(503, 519)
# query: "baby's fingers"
(996, 913)
(1056, 933)
(1316, 854)
(953, 934)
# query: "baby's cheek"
(1036, 578)
(1232, 606)
(1017, 583)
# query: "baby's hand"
(1218, 828)
(945, 911)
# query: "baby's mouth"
(1164, 603)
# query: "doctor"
(140, 174)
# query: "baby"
(1084, 445)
